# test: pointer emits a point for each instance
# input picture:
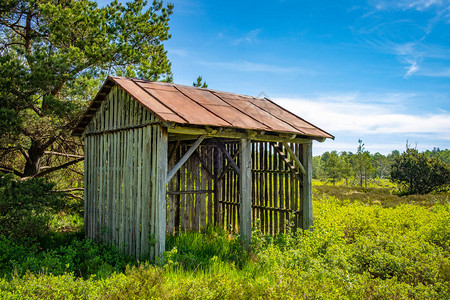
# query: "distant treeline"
(360, 167)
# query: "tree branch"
(9, 170)
(53, 169)
(71, 190)
(63, 154)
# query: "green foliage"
(26, 207)
(199, 83)
(54, 56)
(336, 167)
(420, 174)
(81, 257)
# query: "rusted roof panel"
(288, 117)
(196, 106)
(141, 95)
(186, 108)
(263, 117)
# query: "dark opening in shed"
(162, 158)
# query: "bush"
(26, 207)
(83, 258)
(420, 174)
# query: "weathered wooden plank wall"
(191, 195)
(276, 188)
(207, 189)
(120, 196)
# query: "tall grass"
(356, 251)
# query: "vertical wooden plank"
(161, 186)
(262, 214)
(177, 197)
(287, 195)
(270, 188)
(204, 177)
(93, 184)
(296, 192)
(154, 185)
(87, 172)
(266, 189)
(171, 204)
(196, 175)
(307, 187)
(245, 191)
(236, 194)
(182, 174)
(146, 190)
(217, 185)
(138, 180)
(282, 214)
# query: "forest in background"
(362, 167)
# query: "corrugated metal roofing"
(187, 105)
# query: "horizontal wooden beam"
(190, 192)
(234, 134)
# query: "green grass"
(385, 196)
(366, 244)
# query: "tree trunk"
(33, 161)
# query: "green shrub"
(419, 173)
(26, 207)
(83, 258)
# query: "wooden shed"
(162, 158)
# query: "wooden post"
(217, 185)
(245, 191)
(307, 187)
(160, 222)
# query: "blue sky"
(373, 70)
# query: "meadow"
(367, 243)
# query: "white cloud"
(249, 38)
(351, 116)
(413, 68)
(408, 4)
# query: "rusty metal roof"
(186, 105)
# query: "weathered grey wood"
(86, 183)
(307, 187)
(196, 211)
(295, 158)
(227, 155)
(155, 188)
(184, 158)
(138, 214)
(146, 192)
(217, 186)
(161, 191)
(233, 134)
(245, 225)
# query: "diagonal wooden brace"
(185, 158)
(230, 159)
(295, 158)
